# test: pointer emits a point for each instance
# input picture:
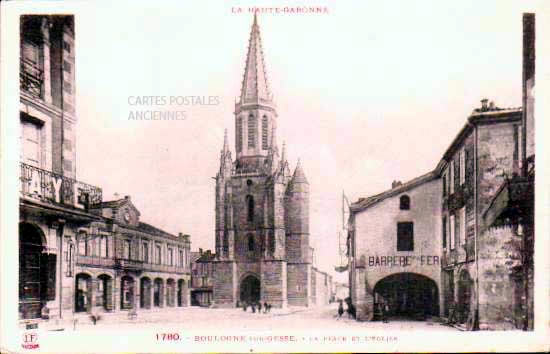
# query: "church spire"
(225, 143)
(255, 88)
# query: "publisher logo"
(30, 341)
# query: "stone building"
(76, 252)
(395, 250)
(425, 248)
(202, 272)
(262, 210)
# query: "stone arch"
(158, 292)
(35, 276)
(145, 292)
(127, 292)
(407, 294)
(170, 292)
(404, 202)
(249, 288)
(105, 289)
(83, 294)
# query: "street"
(234, 319)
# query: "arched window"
(264, 133)
(251, 131)
(251, 242)
(250, 207)
(239, 130)
(404, 202)
(271, 241)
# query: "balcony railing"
(53, 188)
(31, 78)
(129, 264)
(95, 261)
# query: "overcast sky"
(368, 93)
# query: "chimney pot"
(484, 104)
(491, 105)
(127, 197)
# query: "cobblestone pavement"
(196, 318)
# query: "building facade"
(202, 273)
(396, 250)
(262, 210)
(469, 266)
(76, 252)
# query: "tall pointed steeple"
(225, 143)
(255, 88)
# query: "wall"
(376, 236)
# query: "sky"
(367, 93)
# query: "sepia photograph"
(283, 176)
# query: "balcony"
(95, 261)
(31, 78)
(52, 188)
(163, 268)
(129, 264)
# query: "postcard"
(279, 175)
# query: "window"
(30, 144)
(405, 237)
(159, 254)
(404, 202)
(239, 129)
(82, 244)
(452, 231)
(251, 131)
(127, 252)
(444, 232)
(181, 258)
(67, 66)
(271, 241)
(225, 242)
(250, 207)
(250, 242)
(145, 252)
(462, 166)
(463, 226)
(264, 132)
(452, 177)
(170, 256)
(103, 251)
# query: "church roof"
(299, 175)
(255, 84)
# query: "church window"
(271, 242)
(251, 242)
(404, 202)
(250, 207)
(239, 130)
(251, 131)
(225, 243)
(264, 133)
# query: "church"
(262, 209)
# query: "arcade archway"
(33, 271)
(250, 289)
(408, 295)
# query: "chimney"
(127, 197)
(395, 184)
(200, 251)
(491, 106)
(484, 104)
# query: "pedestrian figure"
(245, 305)
(340, 309)
(265, 307)
(385, 312)
(259, 307)
(253, 308)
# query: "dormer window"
(404, 202)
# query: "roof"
(479, 116)
(195, 256)
(299, 175)
(206, 257)
(255, 86)
(364, 203)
